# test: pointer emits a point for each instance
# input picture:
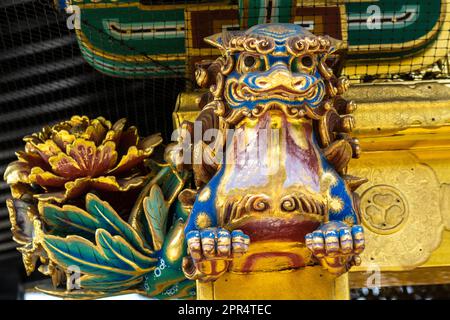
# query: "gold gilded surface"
(439, 160)
(270, 264)
(400, 208)
(205, 194)
(402, 115)
(385, 209)
(175, 245)
(390, 116)
(436, 270)
(186, 107)
(445, 203)
(404, 129)
(311, 283)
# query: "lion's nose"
(279, 75)
(281, 78)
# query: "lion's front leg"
(336, 246)
(211, 251)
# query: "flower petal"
(106, 158)
(45, 178)
(83, 152)
(150, 142)
(21, 191)
(33, 159)
(128, 139)
(110, 183)
(17, 171)
(95, 132)
(133, 157)
(21, 215)
(65, 166)
(51, 196)
(40, 136)
(63, 138)
(76, 121)
(73, 189)
(106, 123)
(45, 149)
(93, 161)
(116, 131)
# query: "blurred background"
(49, 72)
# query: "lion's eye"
(250, 63)
(305, 63)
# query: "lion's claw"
(211, 251)
(336, 246)
(358, 239)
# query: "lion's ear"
(216, 40)
(221, 40)
(337, 45)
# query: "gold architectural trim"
(202, 52)
(402, 115)
(327, 4)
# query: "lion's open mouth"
(280, 92)
(264, 228)
(240, 92)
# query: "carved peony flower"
(72, 157)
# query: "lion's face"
(274, 65)
(260, 79)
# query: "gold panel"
(404, 129)
(399, 209)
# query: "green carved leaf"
(103, 284)
(68, 220)
(169, 180)
(110, 221)
(150, 214)
(171, 183)
(116, 249)
(111, 254)
(184, 290)
(156, 211)
(109, 265)
(71, 220)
